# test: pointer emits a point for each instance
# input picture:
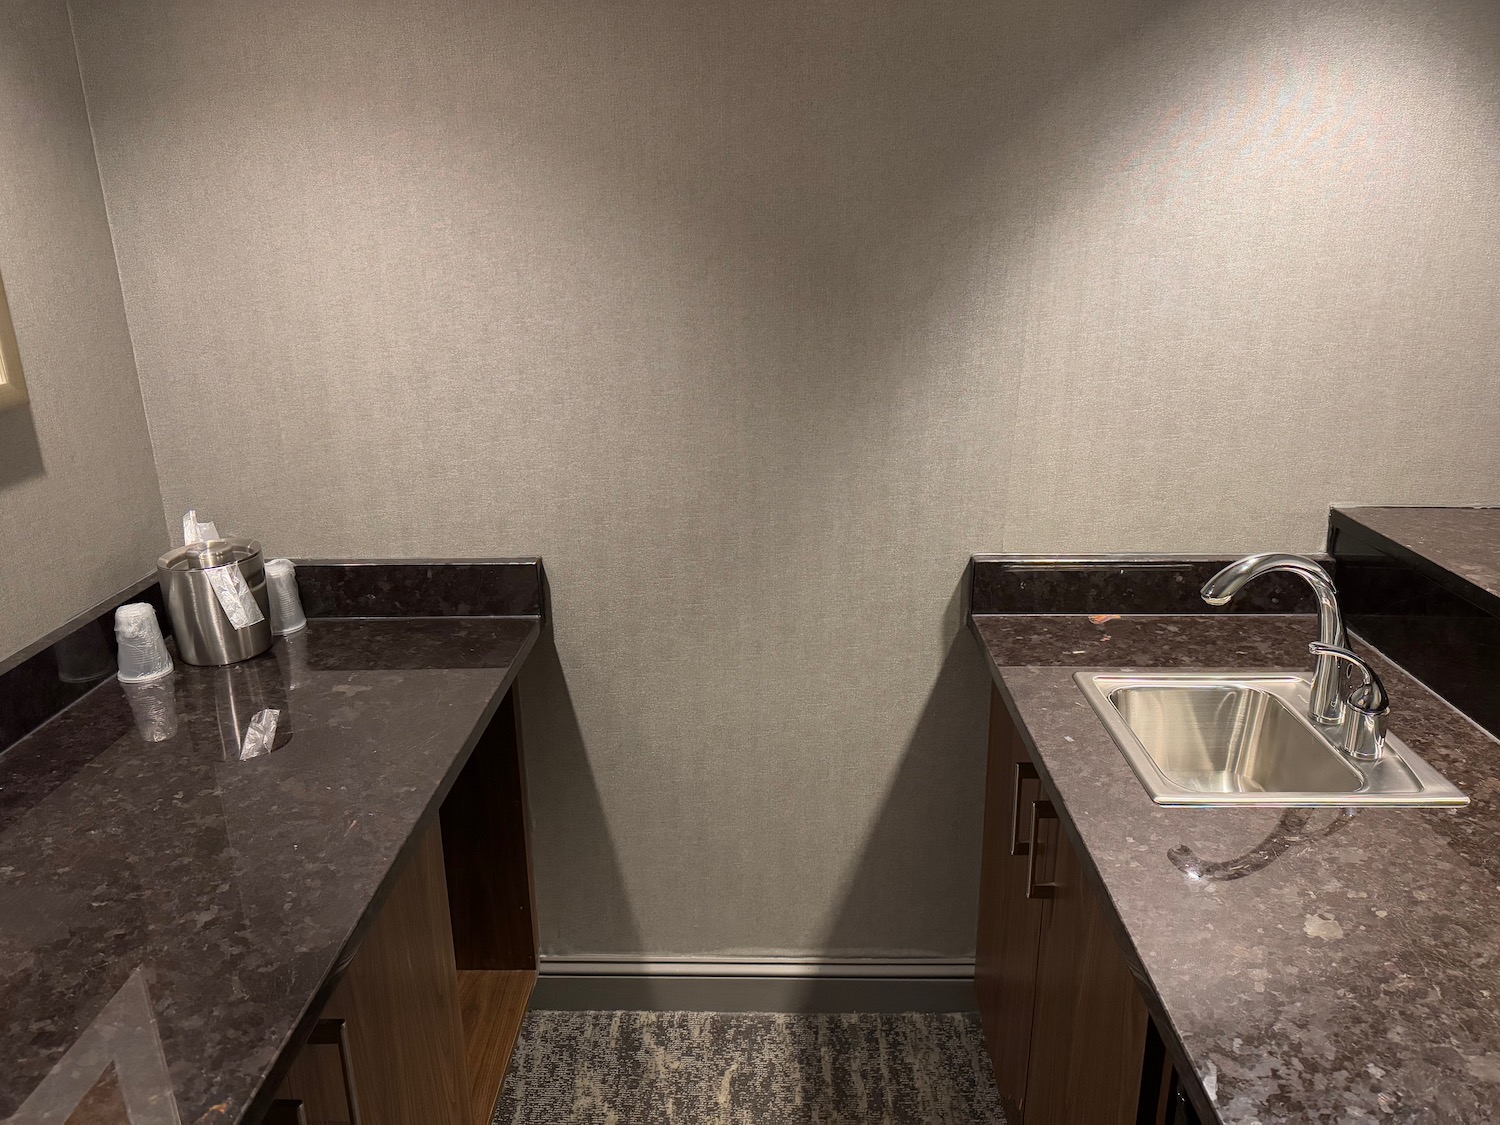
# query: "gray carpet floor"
(665, 1068)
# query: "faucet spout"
(1326, 704)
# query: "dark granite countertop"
(178, 906)
(1462, 541)
(1321, 965)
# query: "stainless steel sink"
(1244, 739)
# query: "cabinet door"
(400, 997)
(1089, 1027)
(399, 1003)
(315, 1090)
(1180, 1110)
(1009, 923)
(1164, 1099)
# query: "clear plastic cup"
(142, 654)
(286, 603)
(154, 705)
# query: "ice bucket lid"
(206, 556)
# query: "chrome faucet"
(1367, 708)
(1326, 703)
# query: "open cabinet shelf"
(493, 1005)
(423, 1023)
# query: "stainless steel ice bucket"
(202, 629)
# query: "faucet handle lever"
(1367, 706)
(1369, 694)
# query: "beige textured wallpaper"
(756, 320)
(80, 511)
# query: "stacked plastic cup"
(281, 592)
(142, 653)
(154, 705)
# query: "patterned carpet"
(665, 1068)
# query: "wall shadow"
(932, 812)
(571, 844)
(844, 166)
(20, 452)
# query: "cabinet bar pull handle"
(1039, 809)
(336, 1033)
(1025, 771)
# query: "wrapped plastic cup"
(286, 603)
(142, 653)
(155, 708)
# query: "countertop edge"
(1346, 520)
(260, 1102)
(1171, 1040)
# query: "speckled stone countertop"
(172, 903)
(1461, 541)
(1315, 965)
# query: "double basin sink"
(1245, 739)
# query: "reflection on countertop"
(141, 842)
(244, 709)
(1293, 827)
(1331, 968)
(115, 1073)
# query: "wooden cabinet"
(1089, 1023)
(419, 1030)
(398, 1004)
(1164, 1096)
(1010, 923)
(1064, 1021)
